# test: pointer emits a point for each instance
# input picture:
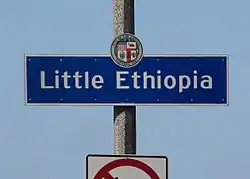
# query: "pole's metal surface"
(124, 116)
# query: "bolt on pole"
(124, 116)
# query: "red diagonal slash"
(108, 176)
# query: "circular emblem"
(126, 50)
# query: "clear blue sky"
(51, 142)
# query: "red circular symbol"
(104, 171)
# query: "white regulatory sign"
(126, 166)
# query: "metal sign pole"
(124, 116)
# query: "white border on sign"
(126, 156)
(26, 103)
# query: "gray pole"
(124, 116)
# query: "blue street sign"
(97, 80)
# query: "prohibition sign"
(103, 173)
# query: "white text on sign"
(125, 80)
